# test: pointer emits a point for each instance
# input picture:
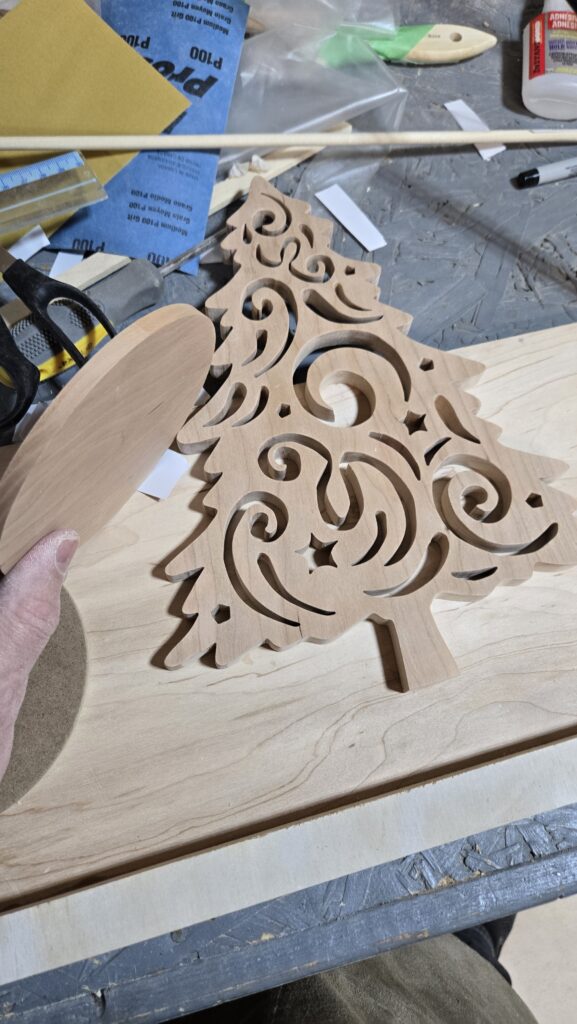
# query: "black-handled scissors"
(37, 291)
(21, 377)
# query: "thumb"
(30, 603)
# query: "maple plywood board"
(161, 764)
(231, 877)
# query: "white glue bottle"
(550, 62)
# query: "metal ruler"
(49, 188)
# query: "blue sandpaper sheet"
(157, 206)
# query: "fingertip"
(65, 551)
(53, 552)
(30, 601)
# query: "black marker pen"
(551, 172)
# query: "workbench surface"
(442, 890)
(472, 259)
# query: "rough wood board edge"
(237, 875)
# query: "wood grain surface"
(163, 763)
(104, 433)
(319, 516)
(328, 848)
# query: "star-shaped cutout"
(414, 421)
(317, 553)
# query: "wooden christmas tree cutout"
(319, 523)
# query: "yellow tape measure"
(62, 360)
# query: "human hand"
(29, 614)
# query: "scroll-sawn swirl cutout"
(351, 477)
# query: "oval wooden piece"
(101, 437)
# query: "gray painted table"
(472, 259)
(440, 890)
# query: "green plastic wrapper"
(343, 48)
(397, 47)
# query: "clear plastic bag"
(326, 15)
(372, 17)
(286, 84)
(368, 16)
(353, 169)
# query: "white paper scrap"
(469, 121)
(64, 261)
(351, 217)
(165, 475)
(30, 243)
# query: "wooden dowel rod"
(94, 143)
